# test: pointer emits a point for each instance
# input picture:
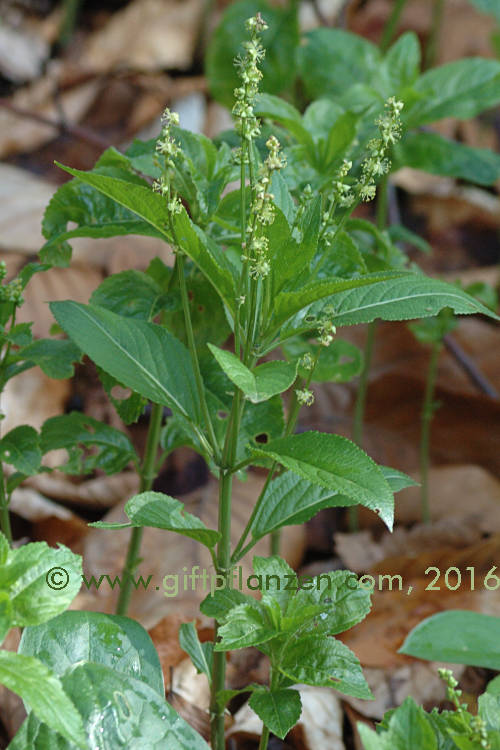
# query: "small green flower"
(305, 397)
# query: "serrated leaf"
(201, 653)
(131, 406)
(117, 713)
(397, 480)
(111, 640)
(76, 433)
(432, 153)
(20, 447)
(56, 357)
(274, 577)
(140, 355)
(279, 709)
(337, 464)
(41, 581)
(457, 637)
(43, 691)
(161, 511)
(408, 728)
(284, 113)
(5, 615)
(218, 605)
(402, 62)
(131, 293)
(245, 625)
(461, 89)
(316, 660)
(259, 384)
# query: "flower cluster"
(326, 329)
(341, 194)
(305, 397)
(376, 163)
(167, 146)
(477, 724)
(262, 211)
(11, 292)
(247, 125)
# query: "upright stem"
(264, 738)
(427, 412)
(432, 42)
(147, 475)
(359, 408)
(4, 508)
(391, 24)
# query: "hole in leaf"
(190, 294)
(262, 438)
(119, 392)
(201, 308)
(222, 415)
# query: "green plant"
(285, 273)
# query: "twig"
(76, 131)
(467, 364)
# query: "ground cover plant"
(225, 346)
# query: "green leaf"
(290, 500)
(56, 357)
(408, 729)
(280, 42)
(338, 363)
(164, 512)
(201, 653)
(117, 714)
(41, 581)
(76, 433)
(111, 640)
(131, 406)
(460, 89)
(288, 256)
(221, 602)
(402, 298)
(273, 575)
(332, 60)
(337, 464)
(457, 637)
(402, 62)
(488, 6)
(397, 480)
(259, 384)
(20, 447)
(280, 111)
(279, 709)
(43, 691)
(432, 153)
(133, 352)
(246, 625)
(132, 294)
(5, 615)
(316, 660)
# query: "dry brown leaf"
(321, 721)
(11, 706)
(97, 493)
(169, 554)
(147, 35)
(22, 53)
(31, 398)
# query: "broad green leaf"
(56, 357)
(245, 625)
(332, 60)
(288, 304)
(110, 640)
(201, 653)
(41, 581)
(493, 687)
(488, 6)
(5, 615)
(335, 603)
(44, 693)
(340, 137)
(259, 384)
(140, 355)
(20, 447)
(208, 315)
(489, 710)
(274, 577)
(397, 480)
(458, 637)
(130, 406)
(279, 709)
(280, 41)
(132, 294)
(117, 713)
(288, 256)
(280, 111)
(164, 512)
(221, 602)
(338, 465)
(402, 62)
(76, 433)
(408, 729)
(405, 297)
(316, 660)
(461, 89)
(432, 153)
(290, 500)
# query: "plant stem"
(192, 350)
(264, 738)
(427, 412)
(391, 24)
(4, 508)
(432, 42)
(359, 408)
(147, 476)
